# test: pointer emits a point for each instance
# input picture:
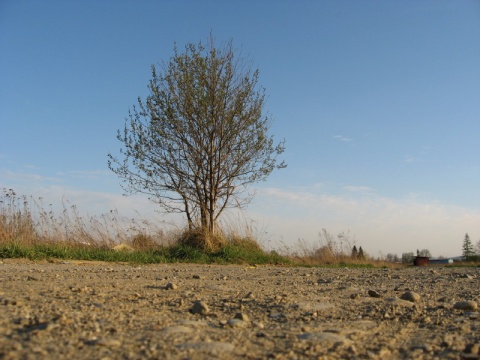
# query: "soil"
(81, 310)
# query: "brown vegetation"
(24, 221)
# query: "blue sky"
(379, 103)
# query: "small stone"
(197, 277)
(237, 323)
(473, 349)
(426, 348)
(466, 305)
(410, 296)
(258, 324)
(199, 307)
(109, 343)
(170, 286)
(241, 316)
(278, 316)
(373, 293)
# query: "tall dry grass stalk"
(15, 218)
(26, 220)
(327, 250)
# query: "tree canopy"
(201, 137)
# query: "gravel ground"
(80, 310)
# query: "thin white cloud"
(359, 189)
(343, 138)
(411, 159)
(22, 177)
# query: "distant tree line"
(470, 252)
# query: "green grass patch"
(231, 253)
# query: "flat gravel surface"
(87, 310)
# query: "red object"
(421, 261)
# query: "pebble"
(199, 307)
(237, 323)
(410, 296)
(108, 343)
(374, 293)
(171, 286)
(399, 302)
(466, 305)
(241, 316)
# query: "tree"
(200, 138)
(354, 252)
(361, 254)
(424, 253)
(467, 248)
(407, 258)
(392, 258)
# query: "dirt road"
(75, 310)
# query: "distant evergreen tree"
(468, 248)
(361, 254)
(354, 252)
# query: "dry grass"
(201, 239)
(24, 222)
(329, 250)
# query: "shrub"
(202, 240)
(143, 242)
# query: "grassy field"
(28, 230)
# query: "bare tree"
(424, 253)
(407, 258)
(200, 138)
